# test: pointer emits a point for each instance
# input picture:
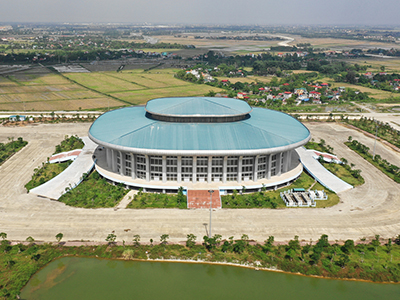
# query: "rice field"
(38, 89)
(248, 79)
(57, 105)
(391, 64)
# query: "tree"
(164, 239)
(3, 235)
(136, 240)
(239, 246)
(191, 240)
(59, 237)
(375, 242)
(389, 246)
(343, 260)
(348, 246)
(210, 94)
(180, 197)
(268, 244)
(111, 238)
(213, 242)
(30, 239)
(293, 244)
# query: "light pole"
(376, 136)
(211, 192)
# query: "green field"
(39, 89)
(139, 86)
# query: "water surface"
(91, 278)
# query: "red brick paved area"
(201, 199)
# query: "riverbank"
(368, 261)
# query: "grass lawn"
(272, 199)
(9, 149)
(342, 171)
(45, 173)
(48, 171)
(94, 192)
(390, 170)
(156, 200)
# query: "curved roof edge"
(201, 152)
(194, 107)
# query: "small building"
(16, 118)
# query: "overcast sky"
(269, 12)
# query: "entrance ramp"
(201, 199)
(322, 175)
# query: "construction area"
(363, 211)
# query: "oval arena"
(198, 142)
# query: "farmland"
(248, 79)
(40, 89)
(373, 93)
(138, 86)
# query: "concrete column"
(122, 163)
(290, 158)
(194, 170)
(255, 168)
(113, 161)
(133, 165)
(147, 168)
(279, 163)
(209, 169)
(285, 161)
(240, 162)
(179, 169)
(108, 157)
(164, 169)
(224, 169)
(269, 160)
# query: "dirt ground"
(370, 209)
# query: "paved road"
(363, 212)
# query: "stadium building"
(198, 142)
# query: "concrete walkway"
(71, 177)
(322, 175)
(126, 200)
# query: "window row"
(200, 167)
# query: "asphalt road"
(373, 208)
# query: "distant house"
(300, 91)
(16, 118)
(368, 75)
(287, 95)
(315, 95)
(225, 81)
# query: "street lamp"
(211, 192)
(376, 136)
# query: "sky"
(261, 12)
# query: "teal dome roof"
(263, 131)
(198, 106)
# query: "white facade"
(181, 169)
